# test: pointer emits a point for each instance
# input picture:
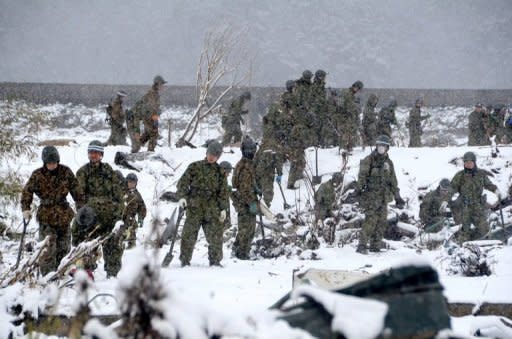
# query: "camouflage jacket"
(244, 181)
(302, 93)
(268, 160)
(204, 185)
(349, 107)
(134, 205)
(387, 117)
(415, 119)
(101, 185)
(52, 188)
(369, 116)
(319, 100)
(118, 117)
(150, 105)
(429, 207)
(377, 180)
(479, 129)
(325, 196)
(470, 185)
(233, 116)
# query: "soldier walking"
(470, 183)
(203, 191)
(387, 118)
(135, 208)
(414, 124)
(349, 119)
(232, 119)
(245, 199)
(104, 195)
(116, 118)
(370, 121)
(52, 183)
(377, 186)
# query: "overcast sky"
(398, 43)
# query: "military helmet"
(418, 102)
(373, 100)
(479, 105)
(226, 165)
(121, 93)
(50, 155)
(320, 74)
(246, 95)
(132, 177)
(444, 184)
(469, 156)
(214, 148)
(95, 146)
(358, 84)
(248, 148)
(159, 80)
(393, 102)
(337, 177)
(307, 74)
(290, 84)
(383, 139)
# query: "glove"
(222, 216)
(182, 203)
(400, 203)
(27, 215)
(253, 208)
(278, 179)
(443, 206)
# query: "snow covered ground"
(245, 289)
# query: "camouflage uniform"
(134, 206)
(470, 183)
(302, 114)
(350, 119)
(319, 109)
(244, 194)
(325, 197)
(54, 213)
(386, 119)
(267, 162)
(370, 121)
(297, 145)
(430, 214)
(150, 115)
(479, 128)
(133, 126)
(414, 124)
(377, 185)
(103, 193)
(205, 188)
(117, 119)
(232, 119)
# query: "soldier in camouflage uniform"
(116, 118)
(414, 124)
(433, 207)
(232, 119)
(370, 121)
(387, 118)
(302, 112)
(325, 197)
(319, 106)
(52, 183)
(377, 186)
(297, 144)
(245, 199)
(268, 163)
(470, 183)
(135, 206)
(203, 191)
(104, 194)
(227, 169)
(283, 121)
(349, 118)
(479, 127)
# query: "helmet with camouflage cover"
(469, 156)
(444, 184)
(226, 166)
(246, 95)
(248, 148)
(290, 84)
(320, 74)
(337, 178)
(50, 155)
(157, 80)
(307, 75)
(214, 148)
(95, 146)
(358, 84)
(132, 177)
(383, 139)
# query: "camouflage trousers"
(374, 225)
(414, 139)
(265, 182)
(208, 219)
(245, 234)
(297, 165)
(117, 135)
(369, 135)
(150, 136)
(474, 224)
(232, 133)
(59, 246)
(135, 139)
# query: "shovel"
(285, 204)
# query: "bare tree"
(221, 61)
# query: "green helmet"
(383, 139)
(358, 84)
(214, 148)
(159, 80)
(248, 148)
(290, 84)
(95, 146)
(226, 165)
(246, 95)
(320, 74)
(444, 184)
(132, 177)
(50, 155)
(337, 177)
(469, 156)
(372, 100)
(307, 74)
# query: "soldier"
(135, 206)
(414, 124)
(297, 145)
(386, 119)
(349, 118)
(104, 195)
(116, 118)
(245, 199)
(433, 208)
(478, 127)
(147, 109)
(325, 197)
(319, 107)
(203, 190)
(470, 183)
(232, 119)
(302, 113)
(227, 169)
(268, 163)
(370, 121)
(52, 183)
(377, 185)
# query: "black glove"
(400, 203)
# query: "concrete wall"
(92, 95)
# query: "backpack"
(508, 121)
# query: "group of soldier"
(486, 122)
(306, 114)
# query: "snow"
(235, 299)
